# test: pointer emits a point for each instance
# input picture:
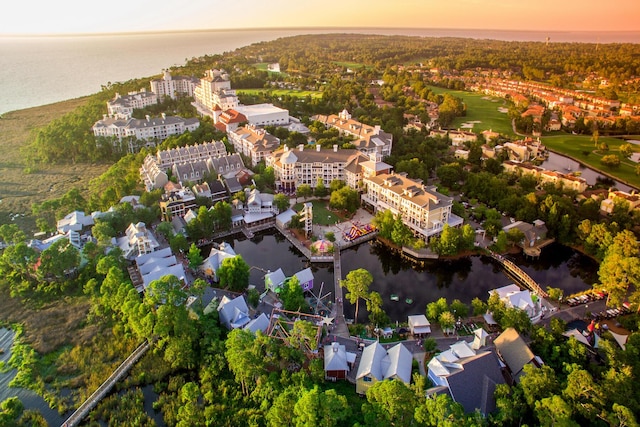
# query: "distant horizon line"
(315, 28)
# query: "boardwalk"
(517, 273)
(106, 386)
(340, 327)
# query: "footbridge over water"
(84, 409)
(518, 274)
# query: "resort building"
(253, 142)
(422, 208)
(514, 297)
(293, 168)
(219, 253)
(213, 87)
(172, 87)
(337, 361)
(149, 130)
(515, 353)
(121, 107)
(368, 139)
(154, 265)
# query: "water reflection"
(464, 278)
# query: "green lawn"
(280, 92)
(321, 214)
(352, 65)
(582, 148)
(482, 109)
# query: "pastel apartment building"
(173, 86)
(422, 208)
(567, 181)
(609, 203)
(209, 91)
(368, 139)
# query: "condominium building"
(151, 130)
(121, 107)
(253, 142)
(369, 139)
(293, 168)
(172, 86)
(213, 89)
(422, 208)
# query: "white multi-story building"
(253, 142)
(422, 208)
(207, 92)
(173, 86)
(293, 168)
(122, 107)
(151, 130)
(369, 139)
(264, 114)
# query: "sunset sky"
(87, 16)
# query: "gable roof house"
(213, 262)
(515, 353)
(378, 364)
(469, 376)
(337, 361)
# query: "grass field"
(321, 214)
(19, 190)
(281, 92)
(352, 65)
(582, 148)
(482, 110)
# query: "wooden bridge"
(84, 409)
(518, 274)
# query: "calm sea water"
(42, 70)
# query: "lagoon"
(465, 278)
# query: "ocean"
(42, 70)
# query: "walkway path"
(340, 327)
(106, 386)
(519, 274)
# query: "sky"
(23, 17)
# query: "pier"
(518, 274)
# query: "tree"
(234, 273)
(401, 234)
(554, 411)
(479, 306)
(555, 294)
(436, 308)
(194, 257)
(389, 403)
(292, 295)
(357, 284)
(58, 259)
(321, 189)
(317, 408)
(178, 243)
(459, 308)
(538, 383)
(304, 191)
(447, 320)
(440, 411)
(281, 202)
(11, 233)
(612, 161)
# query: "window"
(366, 379)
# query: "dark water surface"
(463, 279)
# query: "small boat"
(409, 301)
(394, 297)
